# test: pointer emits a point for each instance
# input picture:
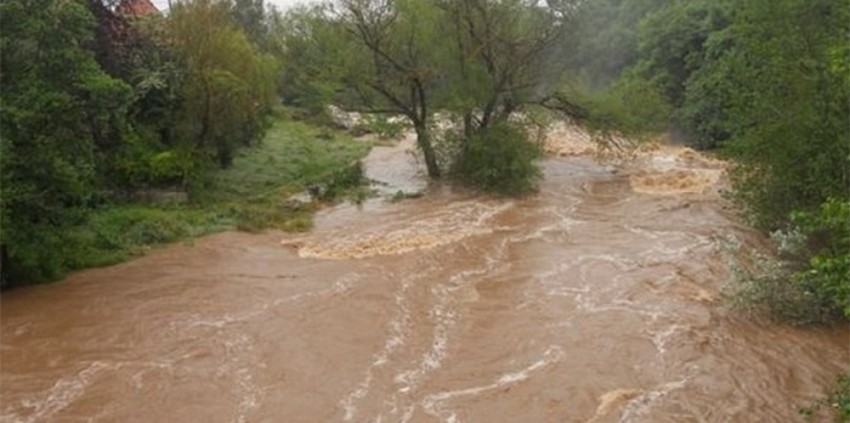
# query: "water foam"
(432, 404)
(64, 392)
(451, 224)
(676, 170)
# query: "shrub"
(827, 274)
(810, 282)
(499, 159)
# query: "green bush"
(840, 397)
(810, 282)
(827, 276)
(33, 257)
(499, 159)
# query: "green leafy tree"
(59, 112)
(229, 85)
(788, 115)
(680, 47)
(499, 52)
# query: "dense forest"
(101, 101)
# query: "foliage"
(229, 87)
(677, 51)
(612, 109)
(810, 282)
(790, 132)
(603, 43)
(827, 235)
(291, 157)
(387, 129)
(672, 42)
(768, 82)
(59, 112)
(258, 21)
(246, 196)
(370, 56)
(95, 106)
(499, 159)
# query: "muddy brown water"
(594, 301)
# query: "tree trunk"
(423, 138)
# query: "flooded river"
(594, 301)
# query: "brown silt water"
(595, 300)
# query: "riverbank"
(251, 195)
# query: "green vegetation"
(250, 195)
(499, 160)
(179, 103)
(766, 83)
(808, 283)
(99, 105)
(227, 82)
(100, 109)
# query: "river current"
(595, 300)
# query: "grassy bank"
(250, 195)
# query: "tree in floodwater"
(501, 55)
(480, 60)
